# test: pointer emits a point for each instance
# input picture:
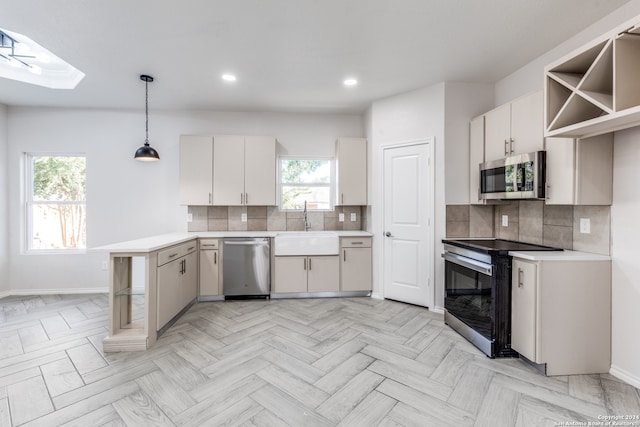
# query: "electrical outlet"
(505, 220)
(190, 217)
(243, 217)
(353, 216)
(585, 225)
(341, 217)
(105, 265)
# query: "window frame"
(29, 202)
(331, 185)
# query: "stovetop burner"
(497, 245)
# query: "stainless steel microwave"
(516, 177)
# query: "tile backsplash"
(532, 221)
(270, 218)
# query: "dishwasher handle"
(246, 243)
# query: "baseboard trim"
(439, 310)
(625, 376)
(376, 295)
(29, 292)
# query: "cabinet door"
(228, 170)
(290, 274)
(323, 273)
(189, 279)
(476, 156)
(523, 308)
(196, 170)
(497, 132)
(167, 292)
(527, 124)
(351, 168)
(560, 171)
(209, 273)
(355, 274)
(260, 170)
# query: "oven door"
(468, 293)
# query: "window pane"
(293, 197)
(59, 178)
(58, 226)
(306, 171)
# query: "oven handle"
(480, 267)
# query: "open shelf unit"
(595, 89)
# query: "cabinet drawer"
(209, 243)
(355, 242)
(175, 252)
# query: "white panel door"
(228, 170)
(407, 209)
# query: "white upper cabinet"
(196, 170)
(476, 157)
(514, 128)
(228, 170)
(351, 171)
(244, 170)
(580, 171)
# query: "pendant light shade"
(146, 153)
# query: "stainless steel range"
(478, 291)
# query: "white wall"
(463, 101)
(624, 228)
(128, 199)
(407, 117)
(4, 204)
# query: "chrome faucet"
(307, 226)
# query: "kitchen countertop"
(559, 256)
(154, 243)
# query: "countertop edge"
(154, 243)
(565, 255)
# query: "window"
(56, 202)
(305, 180)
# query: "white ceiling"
(288, 55)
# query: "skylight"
(26, 61)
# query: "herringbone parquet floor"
(314, 362)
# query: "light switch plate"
(353, 216)
(190, 217)
(105, 265)
(505, 220)
(341, 217)
(243, 217)
(585, 225)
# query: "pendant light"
(146, 153)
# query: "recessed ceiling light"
(229, 78)
(350, 82)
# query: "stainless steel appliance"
(478, 291)
(516, 177)
(246, 267)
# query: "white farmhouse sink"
(307, 243)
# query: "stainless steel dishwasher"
(246, 268)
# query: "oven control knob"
(388, 234)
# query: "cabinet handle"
(206, 245)
(305, 263)
(246, 198)
(242, 198)
(511, 141)
(342, 198)
(357, 243)
(520, 277)
(548, 195)
(344, 255)
(173, 255)
(215, 257)
(506, 147)
(210, 198)
(191, 248)
(309, 264)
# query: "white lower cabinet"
(177, 281)
(303, 274)
(561, 314)
(355, 264)
(209, 267)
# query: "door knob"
(388, 234)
